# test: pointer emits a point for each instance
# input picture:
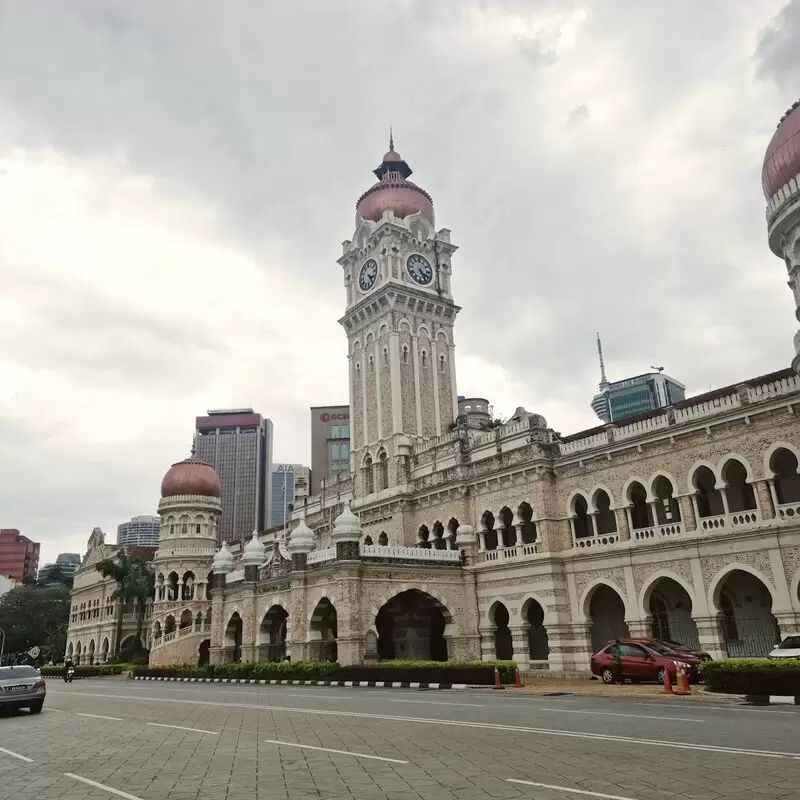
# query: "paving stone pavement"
(460, 747)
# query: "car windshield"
(790, 643)
(661, 649)
(9, 673)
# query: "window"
(405, 354)
(336, 431)
(385, 355)
(424, 358)
(632, 650)
(442, 365)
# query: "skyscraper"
(237, 443)
(141, 531)
(290, 486)
(330, 443)
(637, 395)
(19, 556)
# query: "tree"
(135, 582)
(34, 616)
(55, 575)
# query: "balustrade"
(512, 553)
(604, 540)
(412, 553)
(788, 511)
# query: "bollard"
(497, 684)
(517, 679)
(667, 681)
(683, 681)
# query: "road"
(100, 739)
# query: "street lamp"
(2, 646)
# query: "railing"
(641, 428)
(516, 551)
(186, 631)
(576, 446)
(654, 531)
(736, 519)
(318, 556)
(411, 553)
(774, 389)
(168, 637)
(788, 511)
(236, 575)
(602, 540)
(707, 408)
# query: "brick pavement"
(444, 762)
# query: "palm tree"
(135, 581)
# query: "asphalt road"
(163, 741)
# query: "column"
(394, 376)
(378, 361)
(364, 406)
(765, 498)
(517, 524)
(623, 523)
(654, 511)
(417, 399)
(482, 539)
(639, 627)
(499, 528)
(724, 493)
(519, 641)
(453, 390)
(488, 650)
(435, 369)
(688, 517)
(710, 636)
(570, 646)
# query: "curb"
(772, 700)
(349, 684)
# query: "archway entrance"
(538, 644)
(503, 645)
(607, 614)
(233, 639)
(671, 609)
(203, 653)
(411, 626)
(324, 630)
(272, 635)
(749, 630)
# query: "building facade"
(141, 531)
(448, 541)
(237, 443)
(330, 444)
(19, 556)
(64, 569)
(97, 620)
(290, 489)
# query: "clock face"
(368, 275)
(419, 269)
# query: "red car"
(677, 647)
(642, 662)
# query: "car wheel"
(36, 708)
(607, 675)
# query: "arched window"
(383, 467)
(383, 539)
(641, 512)
(368, 477)
(738, 492)
(368, 540)
(442, 364)
(424, 358)
(783, 464)
(371, 364)
(385, 355)
(405, 354)
(580, 517)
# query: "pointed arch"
(717, 582)
(651, 583)
(690, 484)
(723, 462)
(770, 452)
(588, 592)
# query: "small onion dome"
(254, 552)
(782, 159)
(394, 192)
(191, 476)
(301, 539)
(465, 536)
(347, 526)
(223, 561)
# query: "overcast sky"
(176, 179)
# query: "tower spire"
(603, 379)
(194, 444)
(391, 138)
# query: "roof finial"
(391, 138)
(194, 443)
(603, 379)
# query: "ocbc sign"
(326, 417)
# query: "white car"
(788, 648)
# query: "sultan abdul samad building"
(453, 539)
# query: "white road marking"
(96, 785)
(568, 789)
(16, 755)
(436, 703)
(331, 750)
(618, 714)
(740, 709)
(182, 728)
(322, 696)
(99, 716)
(628, 740)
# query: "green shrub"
(754, 676)
(263, 670)
(86, 671)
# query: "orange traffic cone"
(517, 679)
(497, 684)
(667, 682)
(683, 681)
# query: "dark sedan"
(22, 687)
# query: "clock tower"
(399, 323)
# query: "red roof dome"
(394, 192)
(190, 476)
(782, 159)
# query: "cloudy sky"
(176, 179)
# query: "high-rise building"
(637, 395)
(237, 443)
(330, 443)
(65, 567)
(19, 556)
(141, 531)
(291, 485)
